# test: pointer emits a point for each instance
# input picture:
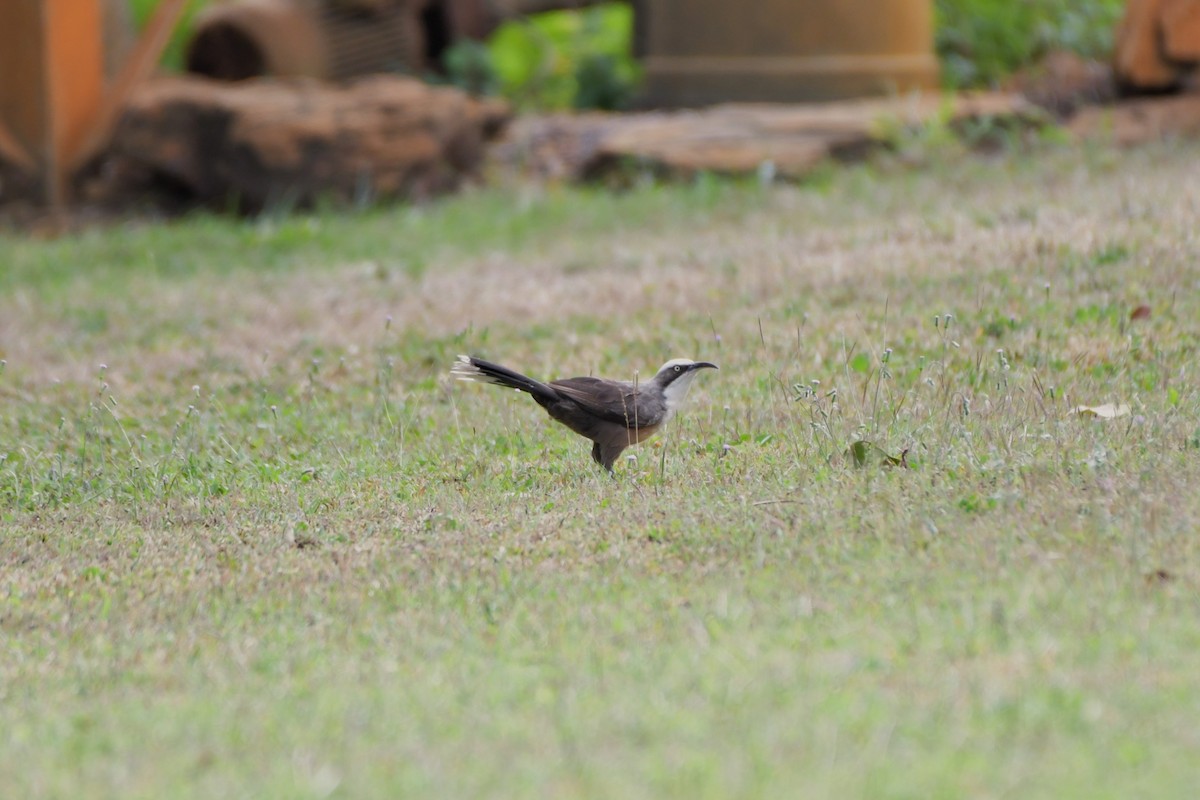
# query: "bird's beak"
(703, 364)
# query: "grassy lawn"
(255, 543)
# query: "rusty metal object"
(139, 65)
(697, 52)
(1157, 44)
(119, 34)
(55, 110)
(388, 40)
(1181, 31)
(51, 79)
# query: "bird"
(613, 414)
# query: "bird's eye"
(677, 368)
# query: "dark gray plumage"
(613, 414)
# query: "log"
(294, 141)
(785, 140)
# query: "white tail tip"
(464, 370)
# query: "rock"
(734, 138)
(264, 142)
(1063, 81)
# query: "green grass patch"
(255, 542)
(404, 239)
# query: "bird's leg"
(598, 457)
(606, 455)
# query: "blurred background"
(76, 84)
(583, 57)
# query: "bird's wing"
(609, 400)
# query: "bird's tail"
(469, 368)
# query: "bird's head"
(676, 376)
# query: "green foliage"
(979, 42)
(173, 56)
(470, 67)
(600, 84)
(564, 59)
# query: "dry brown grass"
(797, 251)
